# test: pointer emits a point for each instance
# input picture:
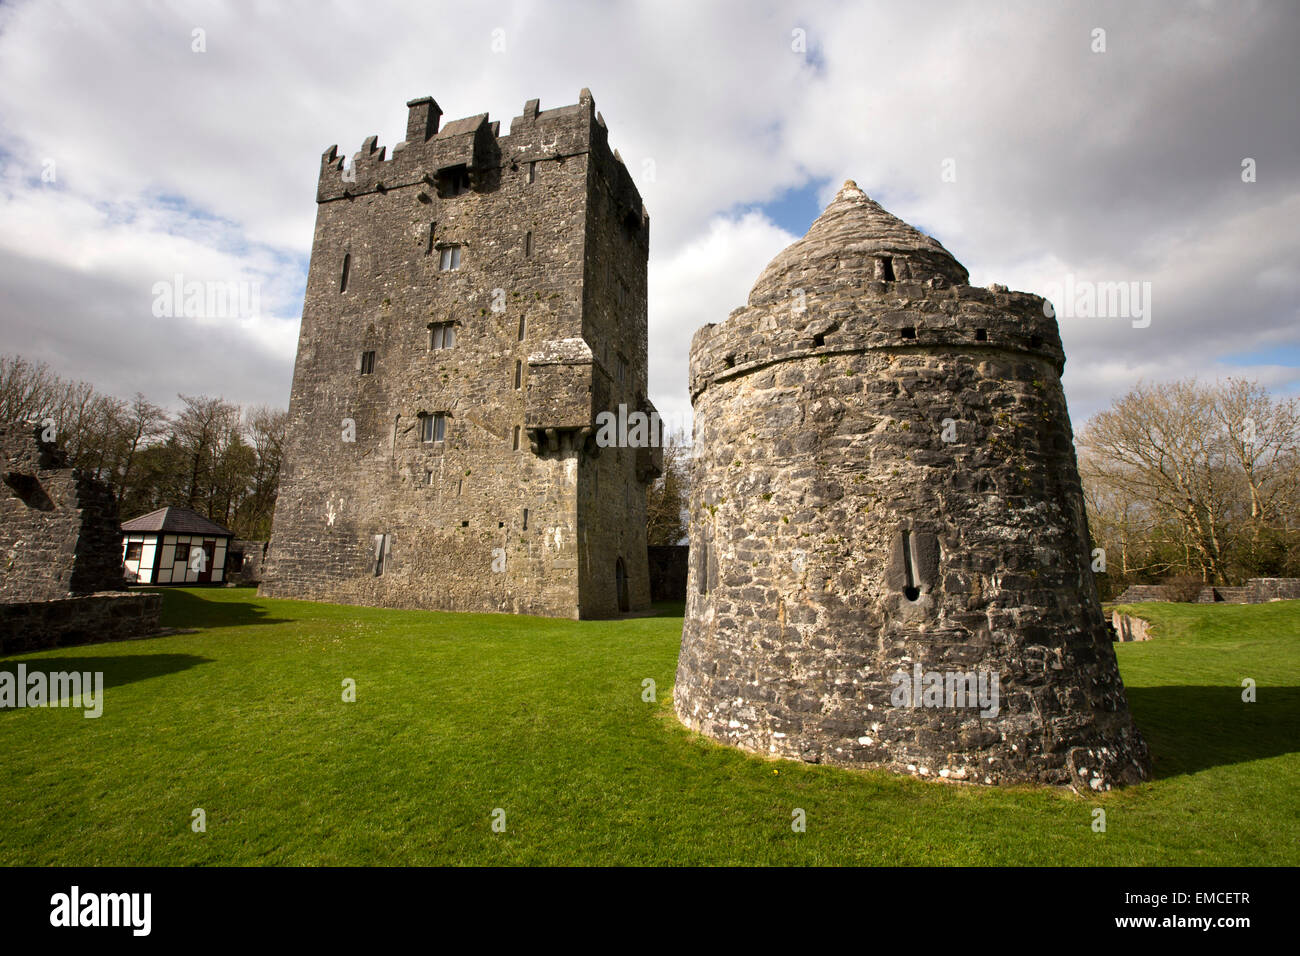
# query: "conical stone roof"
(855, 241)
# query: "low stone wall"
(1138, 593)
(1254, 591)
(1217, 595)
(668, 563)
(1275, 589)
(86, 619)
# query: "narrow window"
(622, 369)
(460, 486)
(432, 230)
(519, 374)
(528, 244)
(522, 327)
(910, 590)
(347, 264)
(516, 448)
(381, 553)
(532, 172)
(887, 268)
(428, 477)
(367, 363)
(702, 568)
(449, 258)
(525, 519)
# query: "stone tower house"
(473, 303)
(886, 516)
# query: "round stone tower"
(890, 561)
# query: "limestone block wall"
(58, 526)
(81, 619)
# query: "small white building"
(175, 546)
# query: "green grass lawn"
(459, 714)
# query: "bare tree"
(1184, 477)
(668, 495)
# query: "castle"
(474, 304)
(890, 560)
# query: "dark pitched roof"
(175, 521)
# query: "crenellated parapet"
(470, 153)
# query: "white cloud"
(698, 284)
(1115, 165)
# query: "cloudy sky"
(1033, 145)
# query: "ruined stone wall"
(491, 517)
(837, 538)
(1254, 591)
(80, 619)
(59, 533)
(1273, 589)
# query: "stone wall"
(668, 566)
(59, 532)
(1137, 593)
(1254, 591)
(1274, 589)
(516, 508)
(84, 619)
(251, 571)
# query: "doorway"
(209, 555)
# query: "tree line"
(1191, 483)
(1184, 482)
(216, 457)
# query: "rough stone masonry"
(474, 303)
(887, 524)
(61, 576)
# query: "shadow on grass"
(667, 609)
(190, 609)
(1190, 729)
(126, 669)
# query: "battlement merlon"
(475, 142)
